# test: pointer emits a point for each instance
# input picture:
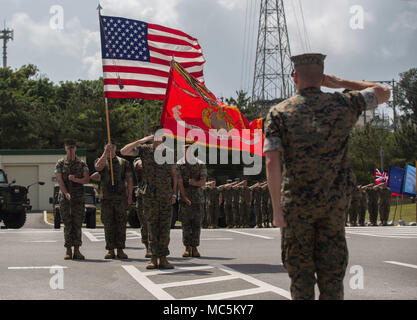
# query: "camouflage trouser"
(384, 213)
(264, 209)
(114, 218)
(244, 210)
(315, 247)
(228, 212)
(353, 213)
(270, 212)
(214, 215)
(362, 214)
(158, 213)
(191, 224)
(144, 230)
(236, 214)
(373, 213)
(72, 214)
(258, 214)
(205, 215)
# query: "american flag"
(136, 57)
(380, 177)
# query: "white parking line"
(34, 231)
(250, 234)
(176, 270)
(158, 289)
(402, 264)
(42, 241)
(153, 288)
(97, 236)
(90, 236)
(265, 286)
(33, 268)
(227, 295)
(197, 281)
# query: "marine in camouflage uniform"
(385, 195)
(372, 195)
(213, 205)
(265, 206)
(354, 208)
(160, 183)
(257, 199)
(114, 200)
(362, 207)
(311, 131)
(235, 204)
(144, 230)
(228, 203)
(72, 173)
(204, 207)
(244, 204)
(191, 177)
(351, 183)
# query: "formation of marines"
(200, 201)
(374, 198)
(309, 201)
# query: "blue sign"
(409, 185)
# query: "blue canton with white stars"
(124, 39)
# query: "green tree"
(406, 94)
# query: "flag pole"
(107, 115)
(109, 140)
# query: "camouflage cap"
(308, 58)
(70, 143)
(237, 179)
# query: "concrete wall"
(45, 164)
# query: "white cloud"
(232, 4)
(153, 11)
(74, 41)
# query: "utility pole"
(391, 83)
(272, 77)
(6, 34)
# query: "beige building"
(31, 166)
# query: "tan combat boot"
(164, 264)
(68, 254)
(153, 264)
(148, 252)
(110, 254)
(121, 254)
(187, 252)
(77, 254)
(195, 252)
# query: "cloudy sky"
(226, 30)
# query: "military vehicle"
(90, 206)
(14, 202)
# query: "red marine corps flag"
(191, 110)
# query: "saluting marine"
(160, 193)
(385, 195)
(310, 131)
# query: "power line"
(307, 40)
